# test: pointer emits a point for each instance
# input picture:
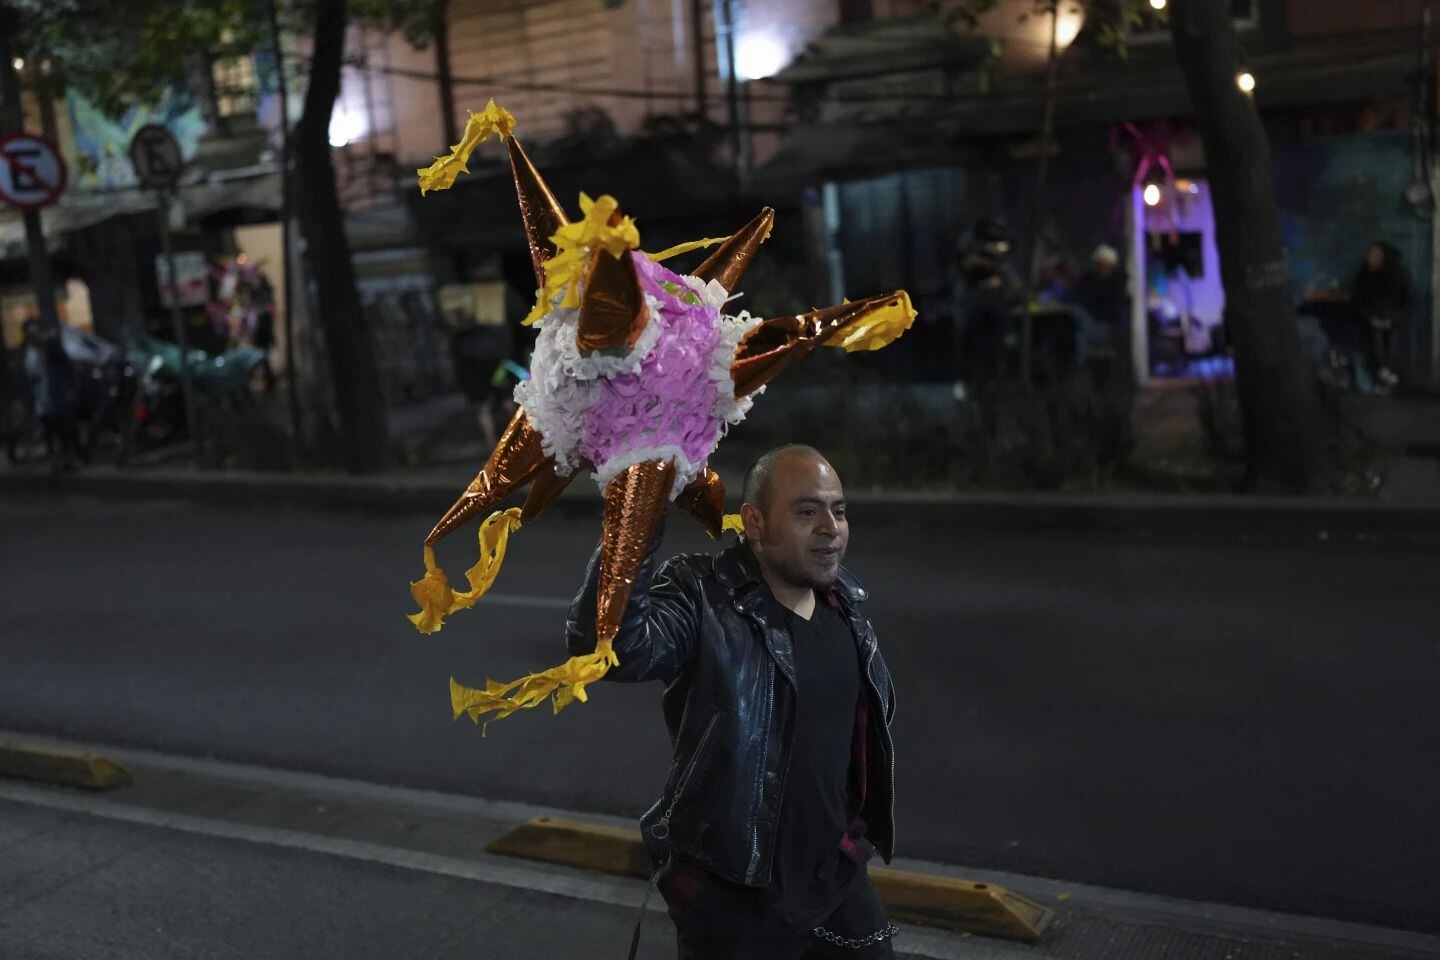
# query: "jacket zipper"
(764, 762)
(884, 727)
(661, 830)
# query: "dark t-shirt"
(810, 874)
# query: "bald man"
(778, 703)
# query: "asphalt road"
(76, 886)
(1254, 724)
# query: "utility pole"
(725, 9)
(292, 379)
(697, 34)
(13, 118)
(1042, 178)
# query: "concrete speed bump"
(921, 898)
(588, 846)
(67, 768)
(962, 905)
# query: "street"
(1251, 724)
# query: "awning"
(257, 189)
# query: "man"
(778, 705)
(984, 297)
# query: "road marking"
(613, 890)
(482, 868)
(1125, 905)
(526, 600)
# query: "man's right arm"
(660, 626)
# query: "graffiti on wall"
(99, 158)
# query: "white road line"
(555, 880)
(526, 600)
(1129, 905)
(620, 891)
(340, 788)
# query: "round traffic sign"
(32, 174)
(155, 154)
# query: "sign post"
(155, 154)
(32, 176)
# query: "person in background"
(482, 338)
(1102, 291)
(263, 336)
(53, 392)
(1102, 303)
(985, 295)
(1382, 295)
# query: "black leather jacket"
(699, 624)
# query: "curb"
(945, 903)
(1209, 517)
(66, 768)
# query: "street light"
(346, 126)
(1067, 27)
(759, 54)
(1157, 4)
(1245, 80)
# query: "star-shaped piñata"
(637, 373)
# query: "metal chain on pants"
(856, 943)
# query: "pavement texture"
(1245, 723)
(211, 859)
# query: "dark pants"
(857, 918)
(1382, 342)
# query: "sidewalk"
(355, 870)
(429, 490)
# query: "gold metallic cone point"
(704, 499)
(782, 341)
(728, 263)
(547, 486)
(517, 456)
(613, 312)
(634, 503)
(540, 211)
(461, 510)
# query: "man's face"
(802, 535)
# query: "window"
(235, 86)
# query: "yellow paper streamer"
(881, 327)
(560, 685)
(732, 521)
(433, 592)
(492, 121)
(680, 248)
(574, 243)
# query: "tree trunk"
(1284, 435)
(358, 402)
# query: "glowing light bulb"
(346, 127)
(759, 54)
(1245, 80)
(1152, 195)
(18, 63)
(1157, 4)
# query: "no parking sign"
(32, 174)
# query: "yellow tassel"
(492, 121)
(880, 327)
(433, 593)
(574, 243)
(733, 522)
(560, 685)
(680, 248)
